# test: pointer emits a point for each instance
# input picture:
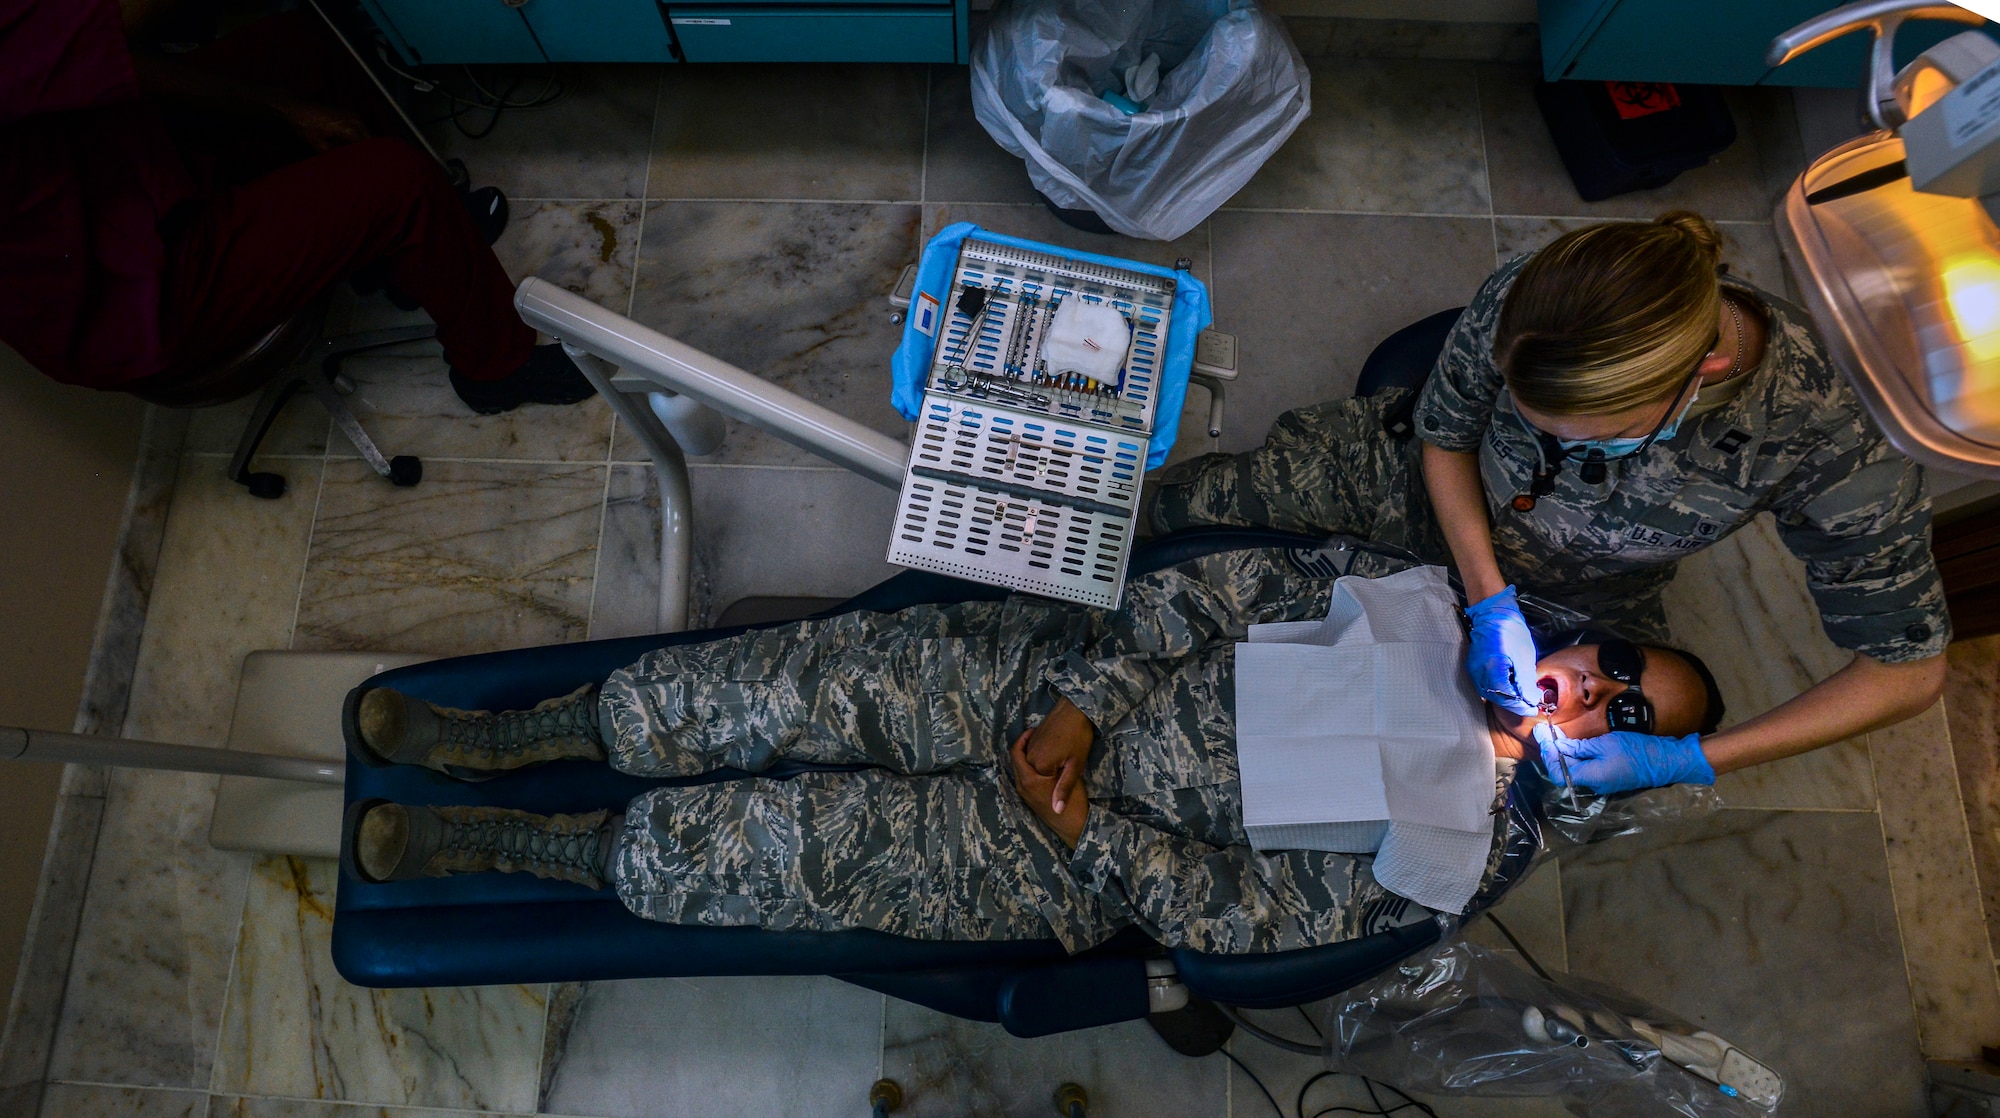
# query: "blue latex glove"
(1502, 658)
(1622, 761)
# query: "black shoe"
(549, 377)
(488, 208)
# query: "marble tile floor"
(730, 207)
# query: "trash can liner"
(1232, 89)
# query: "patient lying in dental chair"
(1027, 769)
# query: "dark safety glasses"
(1629, 709)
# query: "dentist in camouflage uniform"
(1602, 409)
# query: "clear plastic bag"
(1232, 88)
(1571, 819)
(1463, 1020)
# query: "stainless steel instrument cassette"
(1022, 475)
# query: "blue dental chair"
(483, 929)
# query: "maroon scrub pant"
(253, 255)
(250, 255)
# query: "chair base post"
(266, 486)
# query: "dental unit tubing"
(577, 322)
(17, 744)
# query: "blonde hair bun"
(1610, 317)
(1697, 227)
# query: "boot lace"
(574, 847)
(507, 731)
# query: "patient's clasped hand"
(1032, 770)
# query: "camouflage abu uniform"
(931, 840)
(1794, 442)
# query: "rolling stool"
(1404, 359)
(288, 357)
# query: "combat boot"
(391, 728)
(394, 842)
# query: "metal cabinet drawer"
(481, 31)
(600, 30)
(816, 33)
(427, 32)
(1705, 41)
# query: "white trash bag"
(1231, 89)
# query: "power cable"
(1517, 946)
(483, 99)
(1268, 1097)
(1299, 1109)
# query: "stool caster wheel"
(1071, 1102)
(886, 1097)
(406, 470)
(264, 487)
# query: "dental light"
(1892, 236)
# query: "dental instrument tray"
(1025, 473)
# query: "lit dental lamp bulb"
(1972, 289)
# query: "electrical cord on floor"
(1517, 946)
(1267, 1037)
(483, 99)
(1380, 1110)
(1299, 1107)
(1268, 1096)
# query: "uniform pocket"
(954, 720)
(1182, 735)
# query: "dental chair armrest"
(1074, 994)
(1274, 981)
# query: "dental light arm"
(683, 369)
(1892, 237)
(1883, 17)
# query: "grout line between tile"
(1823, 810)
(652, 137)
(803, 201)
(359, 1108)
(1472, 216)
(125, 1086)
(229, 982)
(611, 460)
(574, 463)
(1617, 217)
(1486, 168)
(1485, 151)
(645, 205)
(83, 894)
(924, 164)
(1208, 231)
(1895, 900)
(596, 572)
